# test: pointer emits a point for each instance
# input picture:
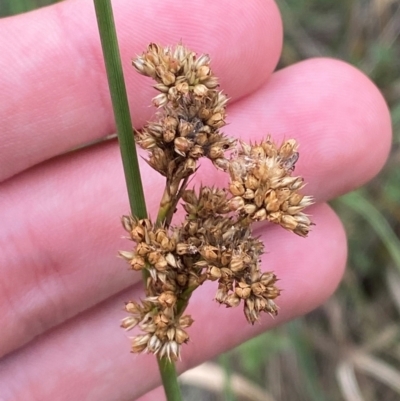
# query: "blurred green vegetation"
(12, 7)
(348, 349)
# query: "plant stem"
(169, 379)
(105, 20)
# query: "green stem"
(169, 379)
(119, 98)
(105, 20)
(183, 300)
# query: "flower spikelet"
(263, 188)
(192, 111)
(171, 267)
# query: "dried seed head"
(214, 242)
(269, 191)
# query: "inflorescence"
(215, 241)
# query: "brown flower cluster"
(192, 111)
(263, 188)
(214, 242)
(163, 255)
(229, 253)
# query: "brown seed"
(182, 248)
(186, 321)
(236, 203)
(251, 182)
(216, 120)
(200, 90)
(271, 202)
(160, 100)
(257, 288)
(181, 336)
(232, 300)
(196, 152)
(203, 72)
(226, 257)
(259, 196)
(138, 233)
(243, 291)
(211, 82)
(161, 321)
(147, 142)
(267, 278)
(132, 307)
(237, 264)
(236, 188)
(128, 323)
(250, 209)
(161, 87)
(161, 265)
(260, 215)
(138, 263)
(213, 273)
(189, 166)
(210, 253)
(215, 152)
(167, 299)
(139, 343)
(182, 146)
(221, 295)
(221, 164)
(182, 87)
(249, 194)
(168, 135)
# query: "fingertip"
(322, 259)
(244, 41)
(63, 98)
(358, 140)
(334, 111)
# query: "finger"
(56, 89)
(153, 395)
(338, 116)
(68, 232)
(94, 351)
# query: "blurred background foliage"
(349, 348)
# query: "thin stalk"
(105, 21)
(169, 202)
(119, 98)
(169, 379)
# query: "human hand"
(60, 232)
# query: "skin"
(62, 288)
